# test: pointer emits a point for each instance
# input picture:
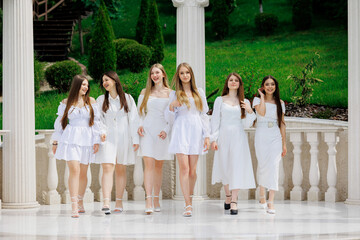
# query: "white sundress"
(268, 146)
(76, 141)
(153, 122)
(119, 128)
(232, 161)
(189, 126)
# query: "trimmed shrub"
(219, 19)
(1, 78)
(102, 55)
(121, 60)
(39, 74)
(266, 23)
(60, 74)
(302, 14)
(141, 24)
(137, 56)
(153, 37)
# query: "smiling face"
(269, 86)
(108, 83)
(156, 75)
(233, 82)
(184, 75)
(84, 88)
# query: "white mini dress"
(268, 146)
(189, 126)
(232, 161)
(76, 141)
(153, 122)
(120, 129)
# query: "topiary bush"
(302, 14)
(219, 19)
(39, 74)
(266, 23)
(141, 24)
(121, 60)
(137, 56)
(60, 74)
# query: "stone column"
(190, 48)
(19, 172)
(354, 102)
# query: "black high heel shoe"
(234, 211)
(227, 205)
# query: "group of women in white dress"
(113, 131)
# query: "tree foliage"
(219, 19)
(141, 24)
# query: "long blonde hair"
(180, 93)
(150, 84)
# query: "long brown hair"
(240, 90)
(180, 93)
(276, 95)
(119, 90)
(150, 84)
(73, 99)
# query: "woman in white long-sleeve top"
(76, 138)
(270, 139)
(232, 160)
(120, 122)
(190, 129)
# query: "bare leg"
(234, 198)
(193, 159)
(184, 169)
(107, 182)
(262, 195)
(157, 182)
(227, 193)
(271, 199)
(120, 183)
(74, 173)
(149, 180)
(82, 185)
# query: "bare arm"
(283, 136)
(261, 108)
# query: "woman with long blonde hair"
(154, 133)
(190, 129)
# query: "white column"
(331, 193)
(354, 102)
(314, 173)
(297, 193)
(139, 193)
(19, 168)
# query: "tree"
(219, 19)
(102, 57)
(153, 37)
(141, 24)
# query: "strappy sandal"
(157, 209)
(270, 211)
(234, 211)
(188, 213)
(262, 205)
(106, 207)
(118, 209)
(74, 213)
(150, 210)
(227, 205)
(81, 207)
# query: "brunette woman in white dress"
(154, 133)
(76, 138)
(232, 160)
(190, 129)
(120, 120)
(270, 138)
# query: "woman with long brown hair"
(76, 138)
(232, 160)
(154, 132)
(190, 129)
(120, 122)
(270, 139)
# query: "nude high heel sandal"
(81, 207)
(157, 209)
(74, 213)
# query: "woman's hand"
(141, 131)
(103, 137)
(96, 148)
(173, 105)
(54, 147)
(206, 144)
(214, 146)
(162, 135)
(284, 151)
(136, 147)
(260, 90)
(246, 106)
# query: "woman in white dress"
(76, 138)
(190, 129)
(232, 160)
(120, 121)
(154, 133)
(270, 139)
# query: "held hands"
(136, 147)
(284, 151)
(206, 144)
(214, 146)
(173, 105)
(162, 135)
(260, 90)
(246, 106)
(103, 137)
(96, 148)
(141, 131)
(54, 147)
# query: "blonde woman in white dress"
(190, 129)
(76, 138)
(270, 138)
(120, 121)
(232, 160)
(154, 133)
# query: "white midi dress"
(76, 141)
(232, 161)
(268, 146)
(189, 126)
(120, 129)
(153, 122)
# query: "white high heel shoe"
(270, 211)
(262, 205)
(118, 209)
(157, 209)
(150, 210)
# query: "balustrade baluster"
(66, 194)
(314, 173)
(331, 193)
(297, 193)
(139, 193)
(89, 195)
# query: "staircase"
(52, 37)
